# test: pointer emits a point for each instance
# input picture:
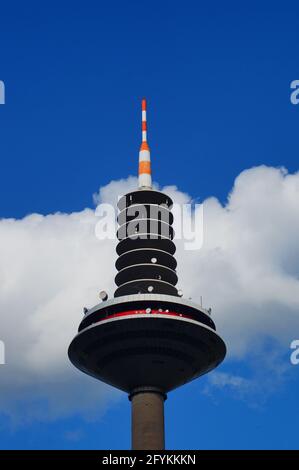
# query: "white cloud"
(248, 267)
(222, 379)
(52, 266)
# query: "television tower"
(147, 340)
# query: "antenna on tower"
(144, 173)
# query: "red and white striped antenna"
(144, 174)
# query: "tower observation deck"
(147, 340)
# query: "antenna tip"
(143, 104)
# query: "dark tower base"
(123, 345)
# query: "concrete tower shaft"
(148, 430)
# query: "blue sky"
(217, 79)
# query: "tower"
(147, 340)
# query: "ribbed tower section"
(146, 263)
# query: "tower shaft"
(148, 421)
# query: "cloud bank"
(52, 266)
